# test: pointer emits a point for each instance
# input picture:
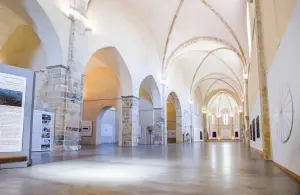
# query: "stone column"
(63, 88)
(246, 106)
(205, 136)
(40, 81)
(130, 120)
(158, 125)
(241, 127)
(164, 114)
(218, 127)
(232, 127)
(263, 88)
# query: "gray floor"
(202, 168)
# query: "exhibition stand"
(16, 114)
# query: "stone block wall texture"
(158, 126)
(130, 120)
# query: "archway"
(28, 40)
(223, 117)
(150, 112)
(106, 80)
(107, 128)
(174, 119)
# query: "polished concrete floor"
(202, 168)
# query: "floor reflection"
(201, 168)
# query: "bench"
(6, 158)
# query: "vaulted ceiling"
(206, 39)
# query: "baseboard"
(287, 171)
(258, 151)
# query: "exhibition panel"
(16, 108)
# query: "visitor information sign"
(12, 100)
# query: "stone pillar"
(232, 127)
(262, 80)
(164, 110)
(40, 81)
(158, 125)
(130, 120)
(218, 127)
(246, 107)
(205, 136)
(63, 89)
(241, 127)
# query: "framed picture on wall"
(250, 131)
(257, 127)
(254, 129)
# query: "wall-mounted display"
(12, 102)
(284, 113)
(253, 130)
(257, 127)
(86, 129)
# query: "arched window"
(213, 119)
(225, 118)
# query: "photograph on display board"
(11, 97)
(46, 133)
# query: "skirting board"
(258, 151)
(287, 171)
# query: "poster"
(12, 101)
(86, 129)
(43, 131)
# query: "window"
(213, 119)
(225, 118)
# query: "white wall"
(286, 68)
(115, 24)
(257, 144)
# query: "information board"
(43, 131)
(12, 102)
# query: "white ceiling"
(201, 27)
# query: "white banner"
(12, 101)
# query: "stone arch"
(150, 111)
(174, 100)
(110, 58)
(31, 42)
(106, 82)
(150, 85)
